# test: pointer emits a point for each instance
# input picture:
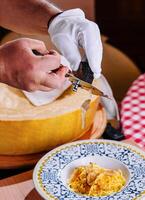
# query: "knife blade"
(87, 86)
(84, 77)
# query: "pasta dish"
(93, 180)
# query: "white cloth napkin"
(39, 98)
(110, 105)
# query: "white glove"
(71, 30)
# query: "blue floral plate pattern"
(47, 173)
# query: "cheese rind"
(26, 129)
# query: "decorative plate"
(52, 172)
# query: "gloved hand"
(69, 31)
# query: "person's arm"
(19, 67)
(27, 16)
(69, 31)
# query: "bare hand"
(21, 68)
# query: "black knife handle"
(84, 72)
(88, 75)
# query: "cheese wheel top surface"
(15, 106)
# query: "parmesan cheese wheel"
(26, 129)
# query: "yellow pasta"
(93, 180)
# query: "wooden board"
(11, 162)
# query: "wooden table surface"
(21, 187)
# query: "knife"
(76, 82)
(83, 77)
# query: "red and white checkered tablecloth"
(133, 112)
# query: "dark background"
(123, 21)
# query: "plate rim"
(61, 147)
